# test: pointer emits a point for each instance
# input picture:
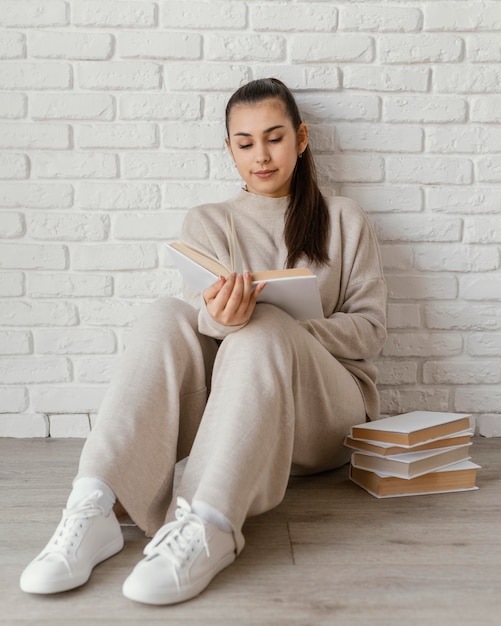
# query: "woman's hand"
(231, 301)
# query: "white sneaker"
(181, 560)
(84, 538)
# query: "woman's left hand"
(231, 301)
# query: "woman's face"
(265, 146)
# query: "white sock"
(209, 514)
(84, 487)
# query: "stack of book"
(415, 453)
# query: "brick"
(221, 167)
(215, 77)
(203, 15)
(339, 107)
(31, 256)
(73, 45)
(115, 257)
(484, 344)
(69, 425)
(482, 230)
(453, 16)
(402, 316)
(455, 258)
(384, 199)
(78, 106)
(28, 75)
(36, 196)
(489, 169)
(397, 257)
(118, 196)
(119, 75)
(69, 286)
(397, 372)
(379, 18)
(161, 45)
(13, 400)
(74, 165)
(322, 138)
(66, 399)
(35, 136)
(149, 226)
(13, 166)
(179, 107)
(484, 287)
(468, 79)
(95, 370)
(486, 109)
(23, 425)
(15, 342)
(329, 48)
(166, 165)
(483, 49)
(11, 284)
(463, 316)
(114, 14)
(26, 13)
(461, 372)
(13, 105)
(193, 135)
(117, 136)
(384, 79)
(12, 46)
(74, 341)
(34, 369)
(29, 314)
(428, 170)
(11, 225)
(463, 200)
(422, 48)
(189, 194)
(68, 226)
(408, 287)
(477, 400)
(469, 140)
(380, 138)
(110, 312)
(149, 284)
(286, 18)
(403, 400)
(347, 168)
(417, 228)
(424, 109)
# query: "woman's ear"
(302, 138)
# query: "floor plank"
(329, 554)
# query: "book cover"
(409, 429)
(411, 464)
(458, 477)
(294, 290)
(381, 448)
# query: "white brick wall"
(111, 128)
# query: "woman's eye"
(277, 140)
(247, 145)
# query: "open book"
(294, 290)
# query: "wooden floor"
(329, 554)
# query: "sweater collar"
(262, 204)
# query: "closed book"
(387, 449)
(409, 429)
(458, 477)
(410, 464)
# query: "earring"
(300, 155)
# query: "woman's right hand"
(231, 301)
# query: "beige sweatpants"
(266, 400)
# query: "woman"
(241, 388)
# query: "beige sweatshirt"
(352, 286)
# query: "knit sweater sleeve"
(354, 290)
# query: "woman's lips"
(264, 173)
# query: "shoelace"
(71, 524)
(173, 539)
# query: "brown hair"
(307, 224)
